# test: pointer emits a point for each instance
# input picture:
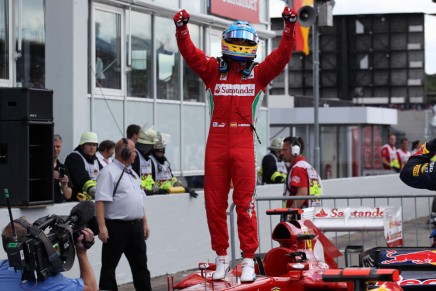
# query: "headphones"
(295, 146)
(125, 152)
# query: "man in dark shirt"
(273, 167)
(84, 167)
(62, 186)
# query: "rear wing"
(402, 258)
(362, 276)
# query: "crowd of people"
(395, 158)
(76, 178)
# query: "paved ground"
(415, 233)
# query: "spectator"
(415, 146)
(105, 152)
(83, 166)
(132, 132)
(62, 186)
(143, 165)
(302, 179)
(121, 219)
(273, 167)
(389, 154)
(403, 153)
(163, 177)
(236, 84)
(11, 280)
(162, 174)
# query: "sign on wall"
(247, 10)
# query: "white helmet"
(88, 137)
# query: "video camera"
(40, 255)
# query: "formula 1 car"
(417, 265)
(303, 261)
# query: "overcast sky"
(386, 6)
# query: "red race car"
(303, 261)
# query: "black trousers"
(125, 237)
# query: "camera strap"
(53, 257)
(118, 183)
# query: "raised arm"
(277, 60)
(196, 59)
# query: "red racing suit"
(230, 149)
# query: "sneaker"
(222, 268)
(248, 274)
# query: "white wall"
(67, 67)
(179, 234)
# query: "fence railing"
(416, 210)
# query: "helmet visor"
(241, 36)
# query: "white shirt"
(127, 202)
(102, 159)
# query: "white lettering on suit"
(234, 89)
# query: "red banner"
(247, 10)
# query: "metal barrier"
(416, 210)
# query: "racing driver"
(235, 86)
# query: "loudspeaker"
(125, 152)
(26, 104)
(26, 162)
(306, 16)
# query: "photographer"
(11, 280)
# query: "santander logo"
(321, 213)
(349, 212)
(235, 89)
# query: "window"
(30, 64)
(107, 49)
(193, 90)
(167, 54)
(139, 77)
(4, 40)
(215, 43)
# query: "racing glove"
(181, 19)
(290, 17)
(148, 192)
(161, 191)
(192, 193)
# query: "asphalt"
(415, 233)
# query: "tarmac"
(415, 233)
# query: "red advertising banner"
(247, 10)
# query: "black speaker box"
(26, 104)
(26, 162)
